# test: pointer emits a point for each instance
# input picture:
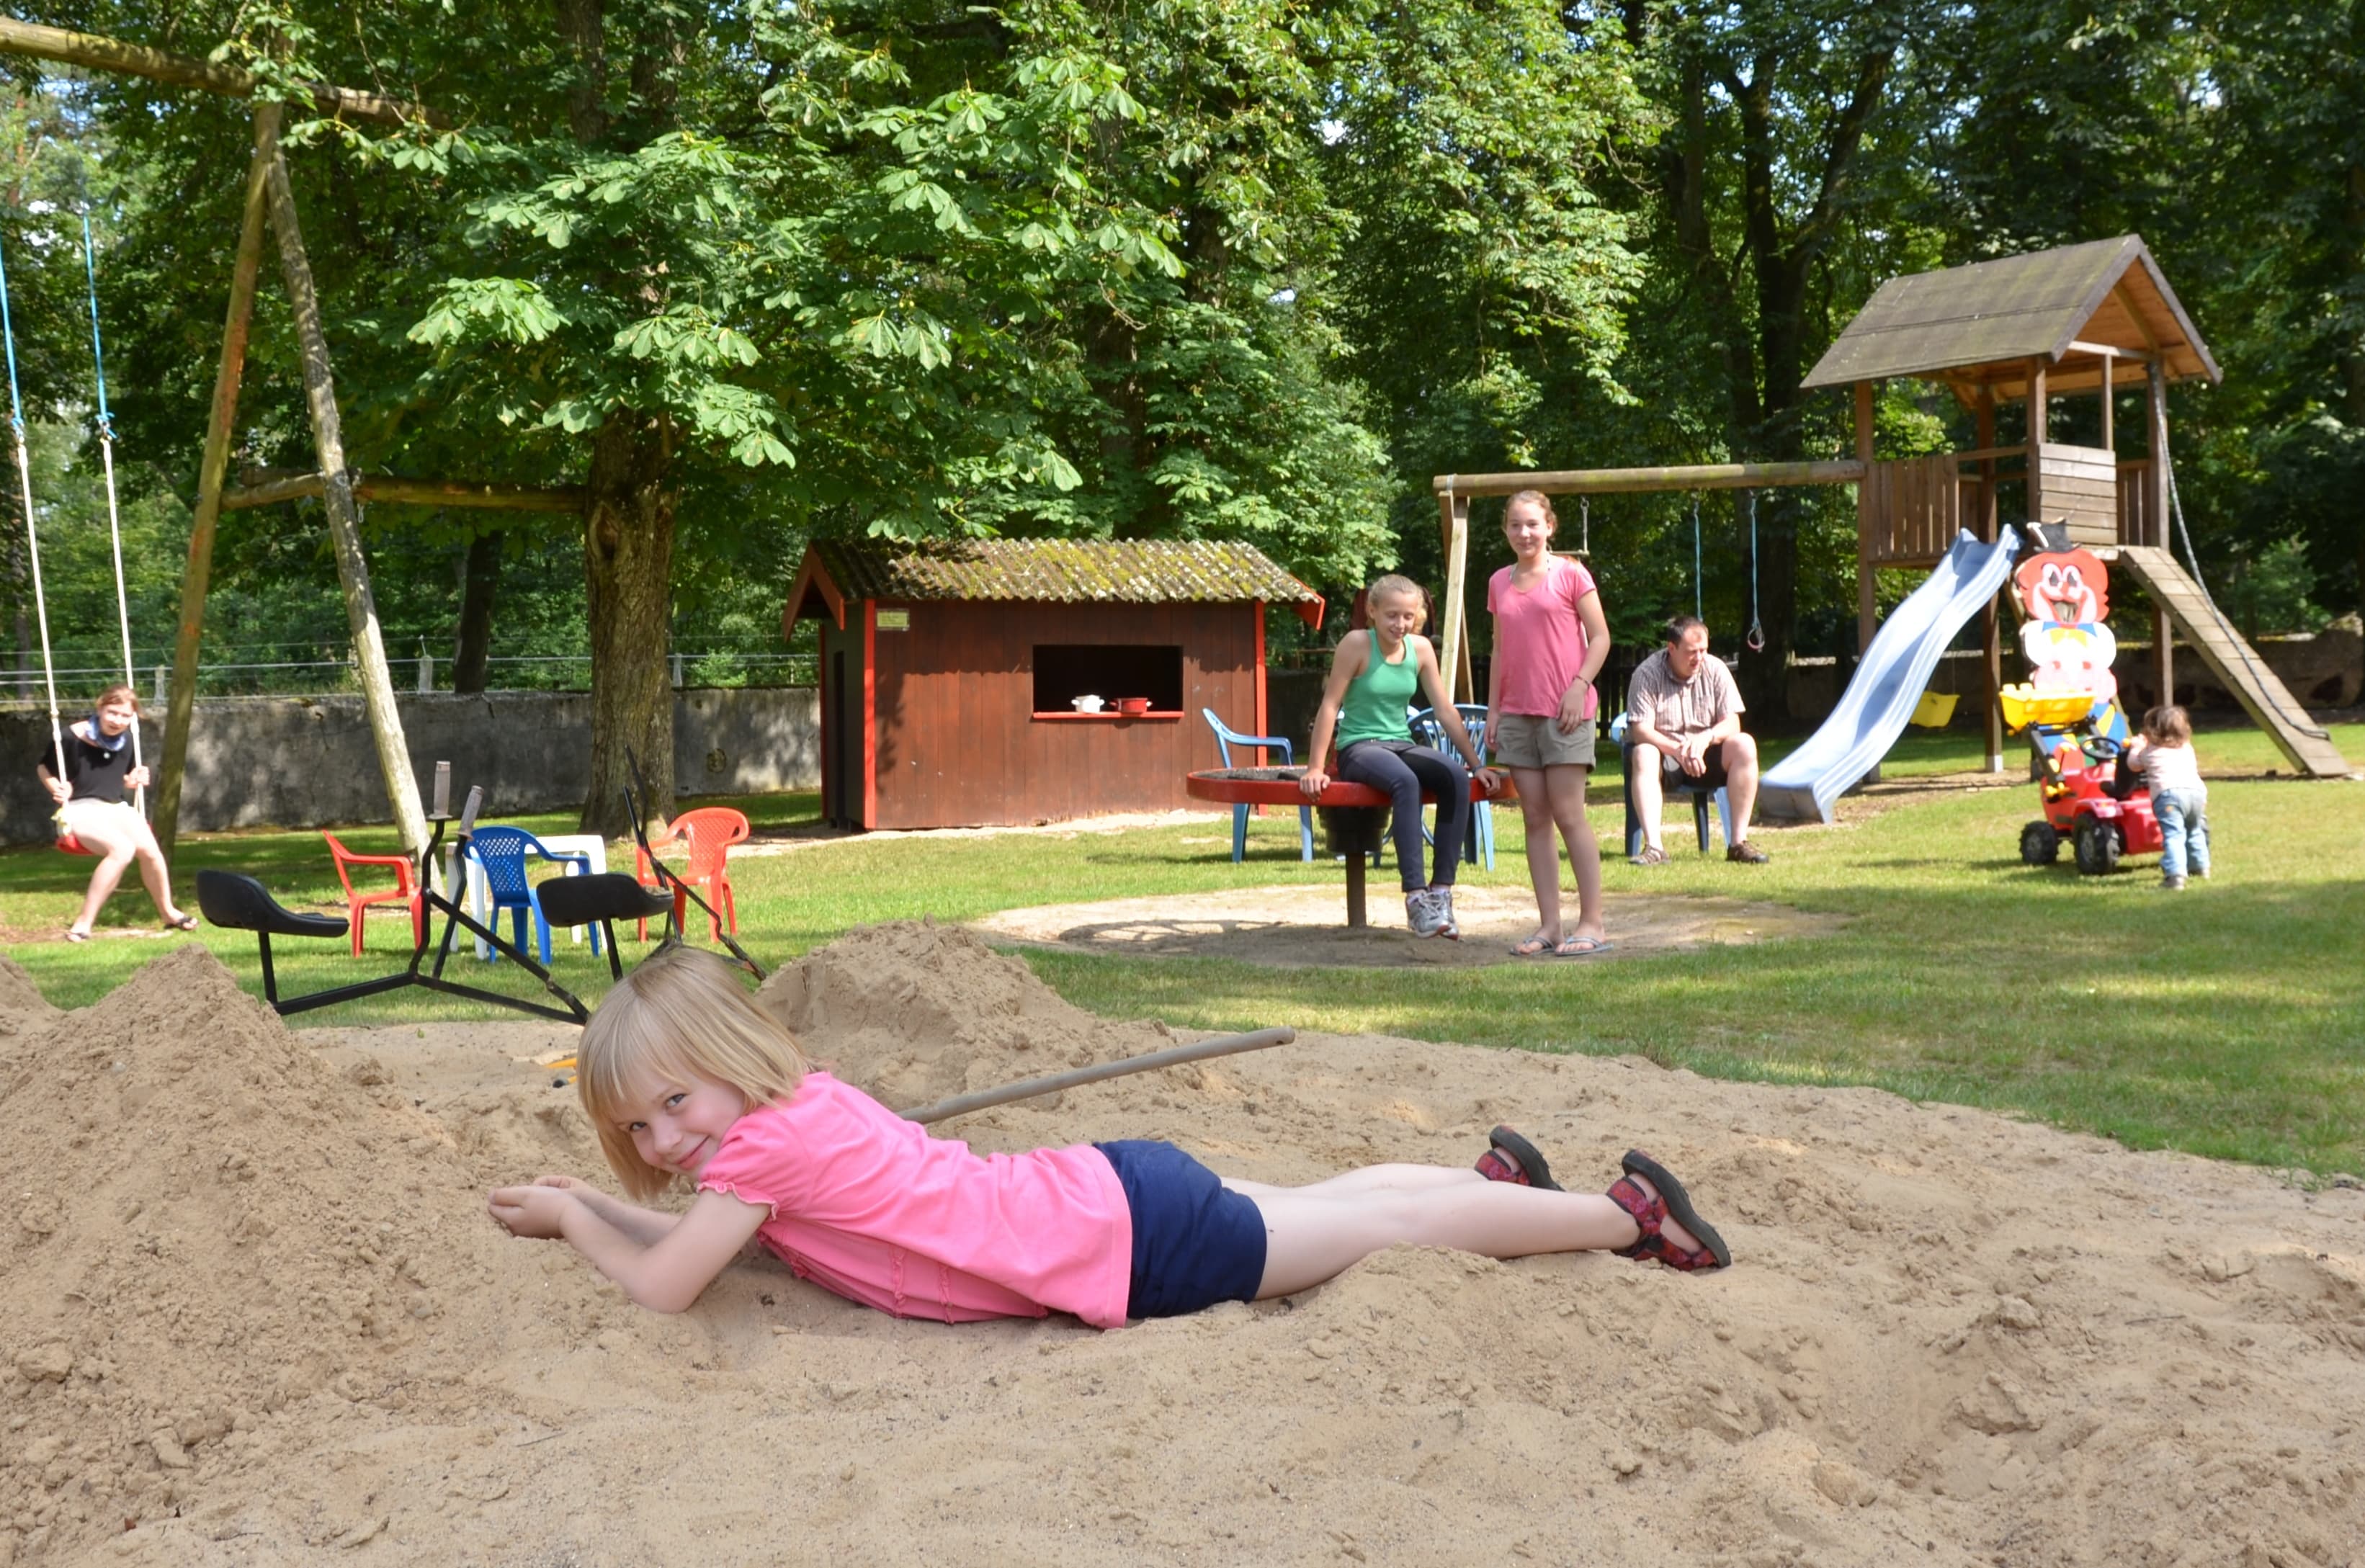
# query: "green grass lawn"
(2226, 1022)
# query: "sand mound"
(914, 1012)
(254, 1305)
(212, 1228)
(20, 1000)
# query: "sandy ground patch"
(1306, 926)
(252, 1313)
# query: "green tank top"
(1374, 708)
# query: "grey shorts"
(1533, 740)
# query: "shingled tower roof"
(1979, 325)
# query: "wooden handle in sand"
(1221, 1046)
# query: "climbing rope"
(1756, 638)
(2303, 724)
(114, 518)
(32, 535)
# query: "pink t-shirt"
(866, 1205)
(1539, 640)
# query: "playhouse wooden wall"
(955, 739)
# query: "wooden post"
(2163, 629)
(1866, 602)
(181, 703)
(1990, 627)
(2036, 419)
(1453, 656)
(2110, 413)
(344, 519)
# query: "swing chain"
(1585, 526)
(1756, 641)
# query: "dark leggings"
(1401, 770)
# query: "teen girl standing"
(1551, 640)
(684, 1077)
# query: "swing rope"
(114, 518)
(1585, 526)
(32, 534)
(1698, 611)
(1756, 638)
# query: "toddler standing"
(2162, 757)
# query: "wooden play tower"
(2031, 329)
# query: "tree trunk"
(480, 583)
(628, 571)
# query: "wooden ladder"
(2234, 663)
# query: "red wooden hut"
(950, 673)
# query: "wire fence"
(23, 686)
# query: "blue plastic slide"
(1889, 681)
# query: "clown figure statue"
(2065, 591)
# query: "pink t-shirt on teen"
(867, 1206)
(1539, 640)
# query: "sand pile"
(913, 1011)
(210, 1228)
(1951, 1339)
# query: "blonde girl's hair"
(116, 693)
(1393, 583)
(2168, 725)
(1543, 504)
(682, 1014)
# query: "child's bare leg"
(1367, 1179)
(1310, 1237)
(1543, 854)
(1567, 787)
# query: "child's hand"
(539, 1211)
(1312, 782)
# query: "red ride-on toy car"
(2079, 806)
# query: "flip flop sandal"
(1513, 1158)
(72, 935)
(1652, 855)
(1536, 947)
(187, 922)
(1584, 947)
(1648, 1212)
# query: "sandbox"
(1299, 926)
(252, 1312)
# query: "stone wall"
(309, 762)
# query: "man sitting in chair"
(1682, 703)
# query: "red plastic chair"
(405, 890)
(710, 832)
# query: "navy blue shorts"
(1196, 1242)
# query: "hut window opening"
(1065, 671)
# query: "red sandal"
(1651, 1212)
(1513, 1158)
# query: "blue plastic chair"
(1225, 739)
(1479, 847)
(501, 852)
(1634, 834)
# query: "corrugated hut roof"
(1044, 571)
(1980, 325)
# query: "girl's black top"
(95, 773)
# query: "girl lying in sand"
(685, 1076)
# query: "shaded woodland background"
(1239, 269)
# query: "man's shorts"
(1672, 774)
(1533, 740)
(1195, 1241)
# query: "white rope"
(32, 534)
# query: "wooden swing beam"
(267, 487)
(1454, 490)
(93, 52)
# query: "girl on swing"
(94, 818)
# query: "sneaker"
(2171, 884)
(1422, 915)
(1446, 926)
(1747, 853)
